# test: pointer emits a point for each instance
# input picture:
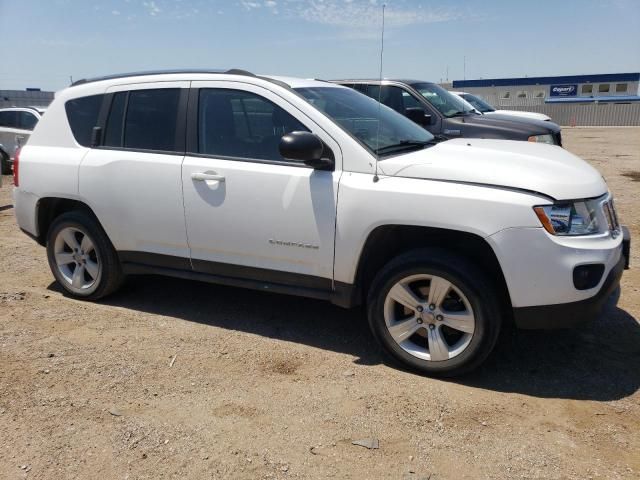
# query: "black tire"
(468, 279)
(4, 164)
(110, 277)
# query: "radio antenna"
(375, 176)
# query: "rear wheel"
(81, 257)
(4, 164)
(434, 312)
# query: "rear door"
(133, 179)
(250, 213)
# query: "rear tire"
(81, 256)
(435, 312)
(4, 164)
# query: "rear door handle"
(204, 177)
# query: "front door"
(250, 213)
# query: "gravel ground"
(176, 379)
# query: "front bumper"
(538, 269)
(567, 315)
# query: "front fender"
(364, 206)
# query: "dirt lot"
(268, 386)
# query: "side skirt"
(139, 263)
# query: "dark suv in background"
(447, 116)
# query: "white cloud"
(115, 12)
(152, 8)
(366, 13)
(250, 5)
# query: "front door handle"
(207, 177)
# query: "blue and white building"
(607, 87)
(598, 99)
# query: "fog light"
(587, 276)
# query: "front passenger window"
(235, 123)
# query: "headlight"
(570, 218)
(548, 139)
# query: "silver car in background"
(16, 125)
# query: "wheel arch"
(49, 208)
(386, 242)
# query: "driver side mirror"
(418, 115)
(308, 148)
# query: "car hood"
(534, 167)
(524, 127)
(518, 113)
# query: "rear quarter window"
(82, 114)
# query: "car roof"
(37, 109)
(290, 82)
(295, 82)
(377, 80)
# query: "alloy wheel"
(77, 260)
(429, 317)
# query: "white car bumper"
(544, 285)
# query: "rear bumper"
(25, 208)
(567, 315)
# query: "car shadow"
(599, 361)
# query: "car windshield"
(447, 103)
(378, 127)
(478, 103)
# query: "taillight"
(16, 163)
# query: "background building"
(31, 97)
(601, 99)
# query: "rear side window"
(150, 120)
(143, 120)
(27, 121)
(82, 114)
(9, 119)
(235, 123)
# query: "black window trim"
(180, 137)
(192, 145)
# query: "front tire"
(435, 312)
(81, 257)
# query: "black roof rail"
(232, 71)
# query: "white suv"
(16, 124)
(309, 188)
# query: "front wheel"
(81, 257)
(435, 312)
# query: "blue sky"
(43, 42)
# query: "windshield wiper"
(404, 145)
